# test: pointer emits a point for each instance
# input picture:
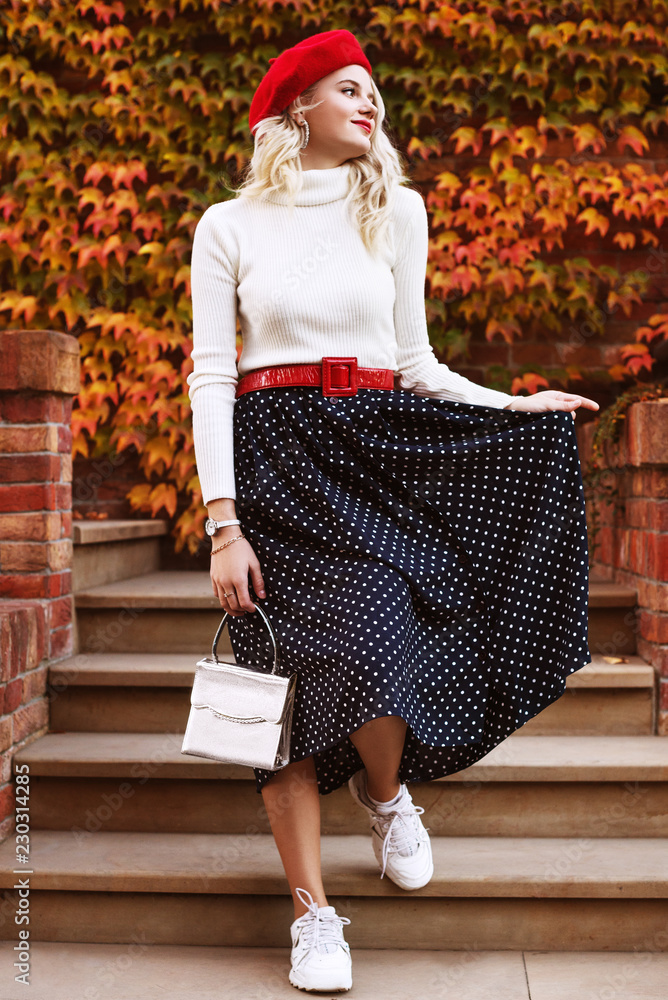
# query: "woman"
(420, 551)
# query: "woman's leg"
(380, 744)
(292, 801)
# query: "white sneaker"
(400, 841)
(320, 954)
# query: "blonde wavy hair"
(275, 166)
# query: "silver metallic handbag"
(240, 713)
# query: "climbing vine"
(525, 124)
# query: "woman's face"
(334, 135)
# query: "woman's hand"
(229, 575)
(551, 399)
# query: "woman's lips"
(367, 128)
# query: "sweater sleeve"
(213, 282)
(419, 370)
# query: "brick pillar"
(634, 532)
(39, 375)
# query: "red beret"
(298, 67)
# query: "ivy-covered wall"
(536, 132)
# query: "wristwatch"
(211, 526)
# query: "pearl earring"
(306, 135)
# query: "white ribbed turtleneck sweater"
(304, 287)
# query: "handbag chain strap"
(272, 636)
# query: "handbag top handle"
(272, 636)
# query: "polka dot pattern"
(422, 557)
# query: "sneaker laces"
(321, 925)
(402, 831)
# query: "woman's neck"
(319, 186)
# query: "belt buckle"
(333, 373)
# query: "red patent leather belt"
(337, 376)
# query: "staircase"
(557, 841)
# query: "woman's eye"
(351, 90)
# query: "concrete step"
(547, 893)
(61, 971)
(150, 692)
(127, 616)
(107, 551)
(527, 786)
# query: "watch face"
(210, 526)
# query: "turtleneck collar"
(318, 186)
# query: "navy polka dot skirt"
(423, 558)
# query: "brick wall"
(24, 710)
(39, 375)
(633, 536)
(102, 484)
